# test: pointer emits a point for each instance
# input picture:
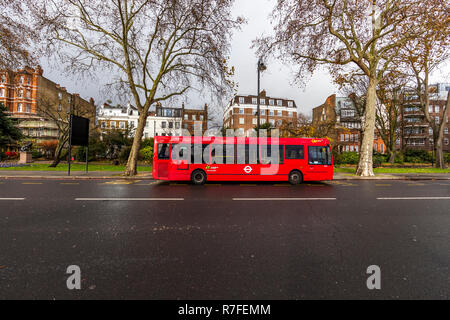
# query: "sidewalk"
(81, 175)
(74, 175)
(394, 176)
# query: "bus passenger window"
(295, 152)
(164, 151)
(271, 154)
(319, 156)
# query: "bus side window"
(295, 152)
(228, 154)
(164, 151)
(319, 155)
(281, 154)
(198, 154)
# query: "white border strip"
(284, 199)
(416, 198)
(129, 199)
(12, 199)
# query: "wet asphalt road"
(220, 241)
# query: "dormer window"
(241, 100)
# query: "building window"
(241, 121)
(279, 113)
(20, 93)
(103, 124)
(290, 113)
(436, 119)
(29, 80)
(279, 123)
(279, 103)
(436, 109)
(170, 125)
(241, 100)
(177, 125)
(60, 96)
(446, 131)
(163, 124)
(262, 101)
(19, 107)
(254, 100)
(113, 124)
(255, 121)
(446, 141)
(263, 112)
(430, 130)
(271, 113)
(3, 78)
(272, 102)
(241, 111)
(2, 92)
(122, 125)
(272, 122)
(131, 124)
(290, 104)
(28, 108)
(22, 79)
(430, 109)
(202, 117)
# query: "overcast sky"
(277, 80)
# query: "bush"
(378, 160)
(399, 158)
(124, 154)
(147, 143)
(147, 154)
(418, 156)
(11, 154)
(447, 157)
(36, 154)
(348, 158)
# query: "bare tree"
(422, 57)
(17, 34)
(51, 110)
(158, 49)
(339, 33)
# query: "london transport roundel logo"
(248, 169)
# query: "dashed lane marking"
(416, 198)
(32, 183)
(284, 199)
(129, 199)
(12, 199)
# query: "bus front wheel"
(198, 177)
(295, 177)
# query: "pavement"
(140, 239)
(81, 175)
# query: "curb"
(72, 178)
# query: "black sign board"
(79, 131)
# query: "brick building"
(34, 102)
(241, 113)
(343, 115)
(416, 132)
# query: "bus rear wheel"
(198, 177)
(295, 177)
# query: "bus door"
(319, 162)
(163, 160)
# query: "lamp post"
(261, 67)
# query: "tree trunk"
(57, 157)
(365, 165)
(131, 168)
(391, 156)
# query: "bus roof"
(245, 140)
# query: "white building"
(163, 122)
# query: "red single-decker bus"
(201, 159)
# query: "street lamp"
(261, 67)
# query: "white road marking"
(416, 198)
(284, 199)
(129, 199)
(12, 199)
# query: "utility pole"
(261, 67)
